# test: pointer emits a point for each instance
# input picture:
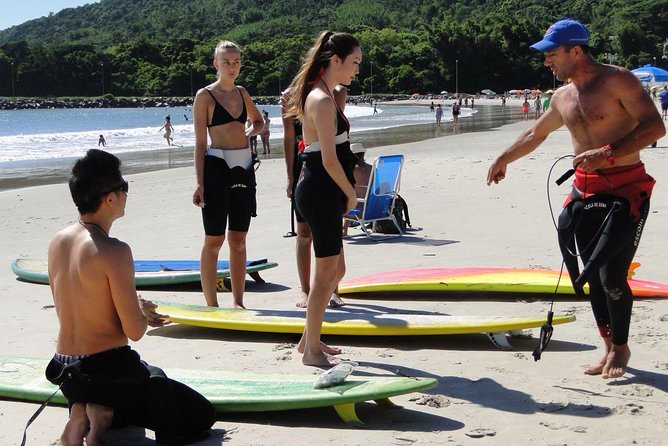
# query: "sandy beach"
(485, 396)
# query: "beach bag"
(400, 213)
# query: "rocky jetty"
(21, 103)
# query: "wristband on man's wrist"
(608, 154)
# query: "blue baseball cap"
(564, 32)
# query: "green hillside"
(163, 47)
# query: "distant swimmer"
(101, 141)
(168, 130)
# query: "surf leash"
(36, 414)
(547, 329)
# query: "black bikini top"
(222, 116)
(342, 123)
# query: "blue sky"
(15, 12)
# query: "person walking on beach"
(525, 108)
(663, 99)
(537, 107)
(92, 283)
(252, 139)
(607, 161)
(265, 133)
(292, 135)
(456, 108)
(224, 171)
(438, 114)
(168, 130)
(326, 190)
(101, 141)
(546, 102)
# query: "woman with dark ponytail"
(326, 189)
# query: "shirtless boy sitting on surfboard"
(92, 282)
(610, 119)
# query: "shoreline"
(23, 174)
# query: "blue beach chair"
(381, 193)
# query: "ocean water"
(32, 135)
(39, 146)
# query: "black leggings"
(140, 394)
(609, 292)
(175, 412)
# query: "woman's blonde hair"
(225, 45)
(317, 60)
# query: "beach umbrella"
(487, 91)
(515, 91)
(415, 95)
(536, 91)
(444, 92)
(649, 73)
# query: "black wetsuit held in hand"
(320, 200)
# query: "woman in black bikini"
(326, 189)
(225, 175)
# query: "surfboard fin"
(500, 341)
(347, 413)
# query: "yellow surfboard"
(364, 323)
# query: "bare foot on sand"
(73, 434)
(303, 300)
(597, 367)
(100, 419)
(323, 347)
(618, 359)
(319, 359)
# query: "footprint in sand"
(481, 432)
(437, 401)
(632, 408)
(638, 390)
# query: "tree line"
(164, 48)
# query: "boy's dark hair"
(93, 176)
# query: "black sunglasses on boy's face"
(124, 187)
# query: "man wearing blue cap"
(610, 118)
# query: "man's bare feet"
(595, 368)
(76, 426)
(100, 418)
(303, 300)
(618, 359)
(319, 359)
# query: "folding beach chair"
(381, 193)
